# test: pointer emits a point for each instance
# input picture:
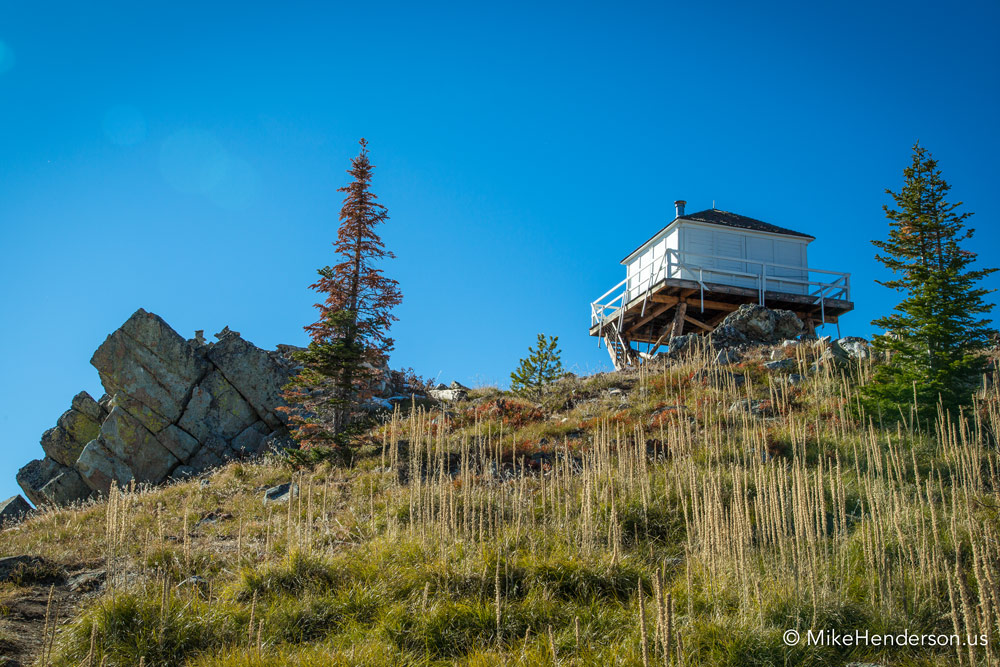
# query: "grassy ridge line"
(500, 531)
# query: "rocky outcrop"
(750, 325)
(173, 408)
(456, 391)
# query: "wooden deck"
(675, 306)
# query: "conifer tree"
(350, 340)
(542, 366)
(935, 335)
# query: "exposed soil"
(23, 617)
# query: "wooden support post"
(677, 328)
(811, 326)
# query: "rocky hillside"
(691, 512)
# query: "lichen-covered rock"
(216, 408)
(85, 403)
(851, 347)
(72, 432)
(257, 375)
(151, 364)
(787, 325)
(727, 336)
(134, 445)
(681, 345)
(756, 325)
(99, 468)
(178, 442)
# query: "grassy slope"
(498, 532)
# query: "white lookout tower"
(703, 266)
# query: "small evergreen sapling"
(935, 336)
(542, 366)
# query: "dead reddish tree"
(350, 340)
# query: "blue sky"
(184, 158)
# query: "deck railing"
(705, 269)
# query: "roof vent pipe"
(679, 205)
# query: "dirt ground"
(24, 606)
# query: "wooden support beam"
(695, 301)
(652, 315)
(663, 298)
(695, 322)
(663, 337)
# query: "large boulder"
(727, 336)
(681, 345)
(36, 475)
(152, 365)
(758, 325)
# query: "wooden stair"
(621, 353)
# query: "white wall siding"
(718, 253)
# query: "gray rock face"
(85, 403)
(173, 408)
(65, 488)
(100, 468)
(455, 392)
(134, 445)
(216, 408)
(257, 375)
(148, 362)
(787, 325)
(682, 345)
(727, 356)
(13, 510)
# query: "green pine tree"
(541, 367)
(935, 335)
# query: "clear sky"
(184, 158)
